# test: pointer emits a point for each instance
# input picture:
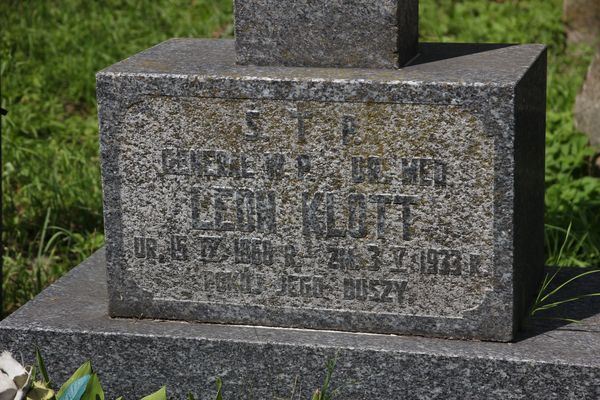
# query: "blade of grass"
(557, 303)
(558, 288)
(42, 367)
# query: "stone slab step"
(70, 323)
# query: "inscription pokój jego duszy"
(310, 204)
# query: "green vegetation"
(546, 297)
(50, 52)
(84, 384)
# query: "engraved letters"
(301, 286)
(301, 117)
(227, 209)
(349, 130)
(379, 291)
(273, 212)
(253, 129)
(209, 248)
(320, 218)
(145, 247)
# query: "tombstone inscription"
(318, 204)
(376, 200)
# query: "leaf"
(85, 369)
(76, 389)
(316, 395)
(94, 389)
(190, 396)
(160, 394)
(219, 388)
(21, 380)
(42, 366)
(40, 391)
(7, 393)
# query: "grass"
(50, 51)
(545, 299)
(52, 199)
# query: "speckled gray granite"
(391, 201)
(332, 33)
(69, 322)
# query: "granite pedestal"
(69, 322)
(332, 33)
(406, 201)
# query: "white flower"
(10, 366)
(12, 372)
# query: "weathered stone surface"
(583, 20)
(69, 323)
(587, 104)
(332, 33)
(395, 201)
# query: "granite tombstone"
(376, 200)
